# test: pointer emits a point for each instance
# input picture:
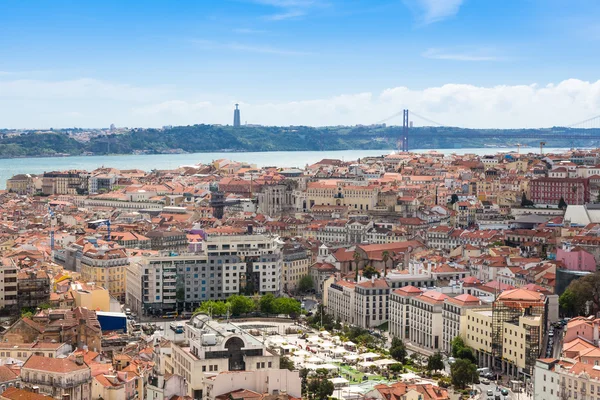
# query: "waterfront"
(286, 159)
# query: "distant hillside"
(211, 138)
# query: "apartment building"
(33, 288)
(296, 262)
(105, 264)
(341, 301)
(551, 190)
(22, 351)
(211, 348)
(425, 315)
(399, 318)
(65, 182)
(478, 335)
(168, 240)
(58, 377)
(21, 184)
(454, 315)
(8, 284)
(371, 303)
(508, 337)
(229, 264)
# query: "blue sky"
(474, 63)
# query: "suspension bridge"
(586, 132)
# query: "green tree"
(398, 350)
(369, 271)
(562, 204)
(586, 294)
(267, 303)
(457, 345)
(287, 306)
(286, 363)
(305, 284)
(463, 373)
(396, 368)
(240, 304)
(598, 197)
(571, 304)
(212, 308)
(435, 362)
(454, 198)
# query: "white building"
(371, 303)
(211, 348)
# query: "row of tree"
(237, 305)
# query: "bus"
(177, 327)
(170, 314)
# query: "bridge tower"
(405, 130)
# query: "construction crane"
(52, 218)
(106, 222)
(99, 223)
(542, 144)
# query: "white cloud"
(430, 11)
(453, 55)
(92, 103)
(77, 89)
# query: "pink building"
(584, 328)
(576, 259)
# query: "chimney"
(35, 389)
(373, 279)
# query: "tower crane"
(105, 222)
(52, 218)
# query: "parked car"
(485, 381)
(490, 393)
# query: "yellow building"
(21, 184)
(105, 266)
(324, 193)
(90, 296)
(478, 334)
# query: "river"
(10, 167)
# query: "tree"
(435, 362)
(453, 198)
(267, 304)
(462, 373)
(305, 284)
(562, 204)
(385, 256)
(571, 304)
(286, 363)
(525, 202)
(585, 298)
(396, 368)
(212, 308)
(457, 345)
(598, 197)
(287, 306)
(240, 304)
(369, 271)
(398, 350)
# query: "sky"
(467, 63)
